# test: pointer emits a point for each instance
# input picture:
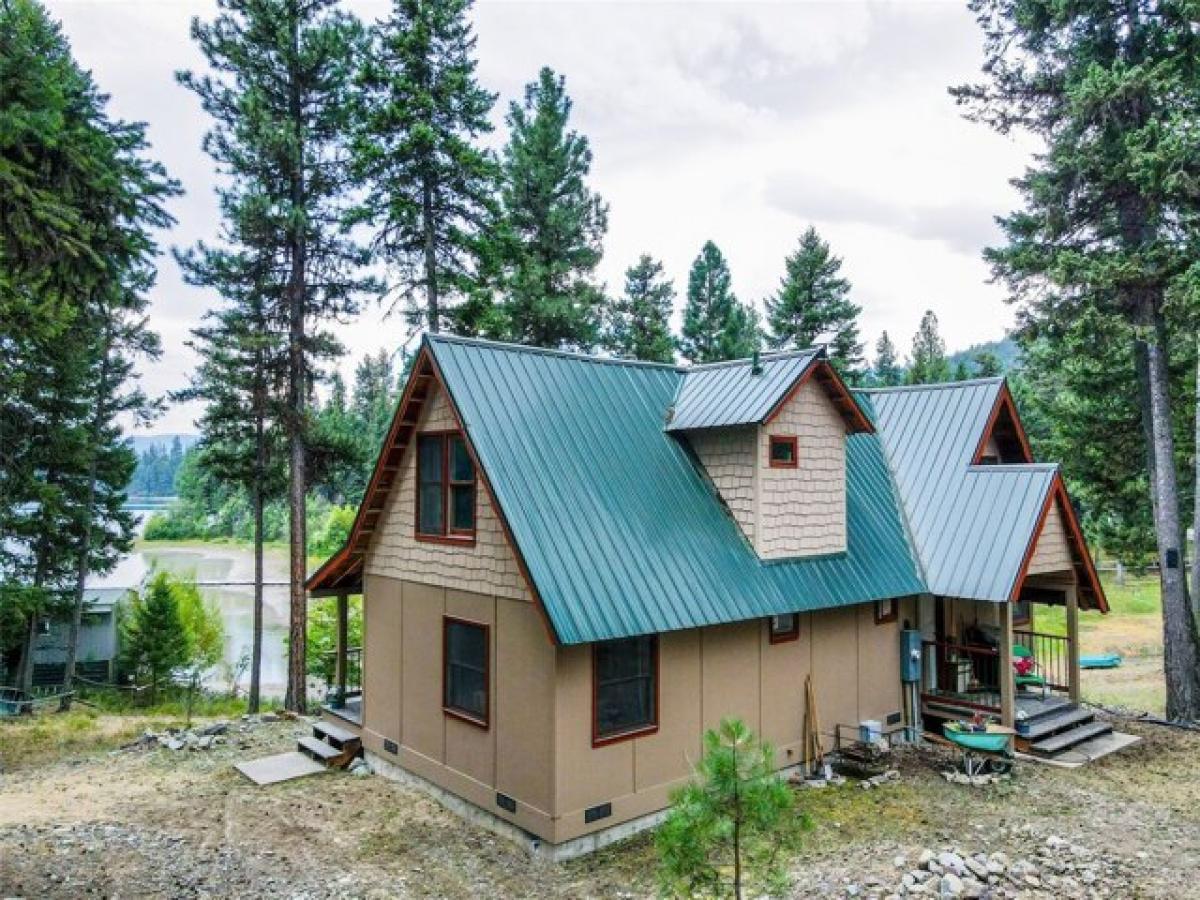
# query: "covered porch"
(986, 657)
(343, 698)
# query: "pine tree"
(888, 372)
(638, 324)
(813, 303)
(279, 93)
(154, 641)
(961, 372)
(548, 241)
(987, 364)
(1109, 217)
(716, 327)
(928, 364)
(240, 378)
(723, 834)
(429, 187)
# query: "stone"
(976, 867)
(205, 741)
(215, 728)
(935, 867)
(951, 862)
(925, 857)
(174, 744)
(951, 885)
(900, 861)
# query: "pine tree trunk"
(1181, 646)
(85, 538)
(1196, 497)
(25, 670)
(432, 311)
(296, 698)
(252, 702)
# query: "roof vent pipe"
(755, 364)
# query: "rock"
(215, 728)
(900, 861)
(925, 857)
(973, 889)
(951, 862)
(951, 885)
(1054, 842)
(269, 717)
(174, 744)
(935, 867)
(976, 867)
(205, 741)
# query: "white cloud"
(736, 122)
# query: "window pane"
(430, 521)
(466, 668)
(624, 685)
(785, 624)
(461, 467)
(429, 461)
(462, 507)
(783, 450)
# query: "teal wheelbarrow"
(987, 752)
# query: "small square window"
(887, 611)
(783, 452)
(784, 628)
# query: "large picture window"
(445, 487)
(625, 674)
(465, 676)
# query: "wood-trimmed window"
(466, 653)
(783, 452)
(624, 689)
(784, 627)
(445, 488)
(887, 611)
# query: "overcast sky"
(740, 123)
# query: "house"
(572, 566)
(97, 648)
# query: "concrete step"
(318, 749)
(335, 735)
(1068, 739)
(1063, 720)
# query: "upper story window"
(465, 674)
(784, 453)
(784, 628)
(625, 686)
(887, 611)
(445, 487)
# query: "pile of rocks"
(183, 738)
(1056, 869)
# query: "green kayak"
(984, 741)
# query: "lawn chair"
(1027, 672)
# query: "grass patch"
(27, 741)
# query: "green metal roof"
(732, 393)
(970, 525)
(619, 529)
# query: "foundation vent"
(506, 802)
(391, 746)
(596, 813)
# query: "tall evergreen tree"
(279, 93)
(987, 364)
(928, 364)
(1110, 212)
(76, 262)
(241, 377)
(888, 372)
(549, 238)
(638, 324)
(813, 302)
(430, 188)
(716, 327)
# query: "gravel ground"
(152, 822)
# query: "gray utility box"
(910, 655)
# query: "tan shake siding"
(802, 511)
(488, 567)
(706, 675)
(403, 672)
(727, 454)
(1052, 552)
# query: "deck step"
(1063, 719)
(1043, 709)
(337, 736)
(1067, 739)
(318, 749)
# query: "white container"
(870, 731)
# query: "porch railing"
(1051, 656)
(968, 672)
(353, 677)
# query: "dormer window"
(445, 488)
(783, 451)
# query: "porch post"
(1073, 643)
(339, 658)
(1008, 716)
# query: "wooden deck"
(349, 713)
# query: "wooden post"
(1073, 643)
(1008, 684)
(339, 664)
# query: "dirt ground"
(155, 822)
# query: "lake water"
(222, 563)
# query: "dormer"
(771, 435)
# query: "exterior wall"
(1053, 551)
(403, 719)
(706, 675)
(487, 567)
(728, 455)
(802, 511)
